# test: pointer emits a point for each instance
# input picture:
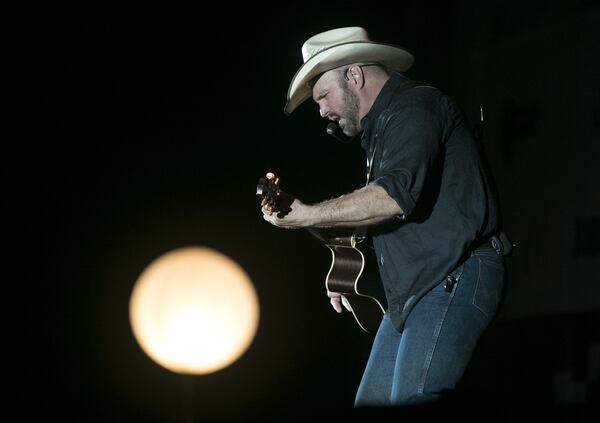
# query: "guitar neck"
(328, 236)
(278, 201)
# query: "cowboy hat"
(338, 47)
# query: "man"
(429, 207)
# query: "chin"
(350, 132)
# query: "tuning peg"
(271, 177)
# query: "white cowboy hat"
(337, 47)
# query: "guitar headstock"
(272, 198)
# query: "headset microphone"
(336, 132)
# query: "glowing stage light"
(194, 311)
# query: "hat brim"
(390, 56)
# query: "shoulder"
(422, 103)
(422, 95)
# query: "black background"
(142, 130)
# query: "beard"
(352, 124)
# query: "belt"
(488, 244)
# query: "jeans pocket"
(488, 290)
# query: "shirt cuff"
(397, 191)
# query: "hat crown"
(332, 38)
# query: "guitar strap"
(361, 232)
(401, 88)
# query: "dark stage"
(137, 131)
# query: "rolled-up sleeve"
(411, 144)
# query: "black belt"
(488, 244)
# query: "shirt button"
(381, 260)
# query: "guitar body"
(353, 272)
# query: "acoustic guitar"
(353, 270)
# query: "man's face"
(337, 102)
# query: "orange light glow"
(194, 311)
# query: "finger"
(346, 303)
(335, 302)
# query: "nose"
(324, 111)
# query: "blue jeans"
(431, 354)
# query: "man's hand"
(337, 300)
(298, 217)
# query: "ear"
(356, 76)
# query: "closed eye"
(321, 96)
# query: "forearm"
(367, 206)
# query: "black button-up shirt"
(426, 158)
